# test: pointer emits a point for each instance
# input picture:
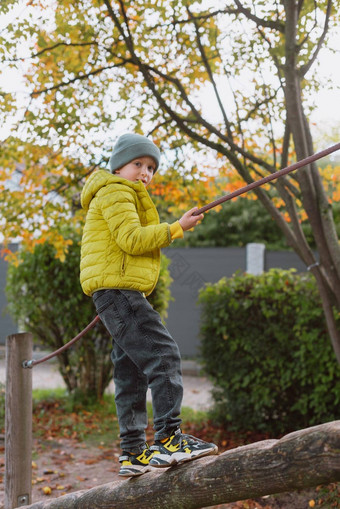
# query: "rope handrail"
(273, 176)
(29, 364)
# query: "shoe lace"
(148, 452)
(189, 439)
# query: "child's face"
(141, 168)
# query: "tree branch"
(79, 77)
(199, 17)
(305, 68)
(257, 105)
(148, 70)
(51, 48)
(209, 71)
(276, 25)
(182, 121)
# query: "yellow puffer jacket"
(122, 235)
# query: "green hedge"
(161, 295)
(266, 348)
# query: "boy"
(120, 262)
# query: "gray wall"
(190, 268)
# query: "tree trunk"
(302, 459)
(313, 194)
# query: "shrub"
(266, 348)
(46, 298)
(161, 295)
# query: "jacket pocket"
(123, 265)
(108, 306)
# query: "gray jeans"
(144, 355)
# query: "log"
(302, 459)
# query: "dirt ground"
(65, 465)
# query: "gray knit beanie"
(131, 146)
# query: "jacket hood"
(102, 178)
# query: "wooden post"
(18, 422)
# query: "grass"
(57, 414)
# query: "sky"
(326, 99)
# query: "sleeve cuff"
(176, 231)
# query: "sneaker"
(179, 448)
(135, 464)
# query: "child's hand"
(188, 221)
